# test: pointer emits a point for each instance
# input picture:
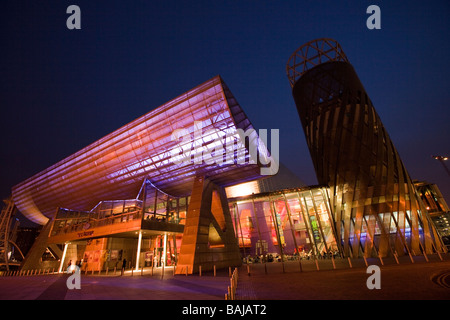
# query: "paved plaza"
(116, 287)
(406, 280)
(403, 281)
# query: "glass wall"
(162, 207)
(293, 223)
(158, 206)
(105, 213)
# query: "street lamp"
(441, 160)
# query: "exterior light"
(243, 189)
(441, 160)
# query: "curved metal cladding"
(376, 207)
(115, 166)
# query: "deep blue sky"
(63, 89)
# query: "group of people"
(72, 267)
(152, 217)
(269, 257)
(262, 258)
(323, 255)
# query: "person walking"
(69, 265)
(124, 265)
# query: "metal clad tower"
(376, 207)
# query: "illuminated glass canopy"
(115, 166)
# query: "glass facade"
(203, 133)
(291, 223)
(109, 232)
(283, 225)
(106, 213)
(287, 224)
(151, 205)
(436, 207)
(162, 207)
(207, 117)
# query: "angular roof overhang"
(115, 166)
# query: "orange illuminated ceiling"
(115, 166)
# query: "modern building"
(376, 208)
(436, 207)
(151, 191)
(288, 223)
(192, 184)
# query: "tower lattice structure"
(377, 210)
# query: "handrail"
(96, 222)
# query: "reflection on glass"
(263, 227)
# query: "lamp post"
(441, 160)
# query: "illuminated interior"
(298, 219)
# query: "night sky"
(63, 89)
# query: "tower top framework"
(312, 54)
